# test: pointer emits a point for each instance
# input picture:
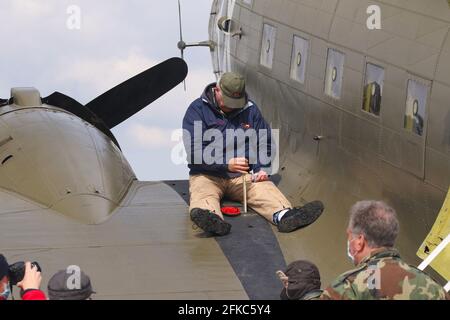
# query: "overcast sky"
(117, 39)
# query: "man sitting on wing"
(225, 107)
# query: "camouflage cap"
(232, 86)
(304, 277)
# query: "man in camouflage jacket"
(380, 272)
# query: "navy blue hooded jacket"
(205, 110)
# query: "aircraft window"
(373, 89)
(416, 107)
(299, 59)
(268, 45)
(334, 73)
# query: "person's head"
(373, 225)
(4, 279)
(415, 107)
(65, 286)
(303, 277)
(230, 92)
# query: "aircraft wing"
(146, 250)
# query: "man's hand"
(285, 282)
(283, 278)
(238, 165)
(32, 278)
(261, 176)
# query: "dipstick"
(244, 176)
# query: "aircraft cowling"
(54, 158)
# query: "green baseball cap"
(232, 86)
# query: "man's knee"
(267, 191)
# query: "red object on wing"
(231, 211)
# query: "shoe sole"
(307, 215)
(210, 222)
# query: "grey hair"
(376, 221)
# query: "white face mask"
(5, 294)
(351, 257)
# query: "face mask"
(351, 257)
(5, 294)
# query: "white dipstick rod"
(244, 176)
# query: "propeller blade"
(131, 96)
(67, 103)
(60, 100)
(180, 21)
(181, 44)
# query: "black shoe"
(210, 222)
(300, 217)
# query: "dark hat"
(304, 277)
(58, 290)
(232, 86)
(4, 267)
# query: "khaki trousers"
(263, 197)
